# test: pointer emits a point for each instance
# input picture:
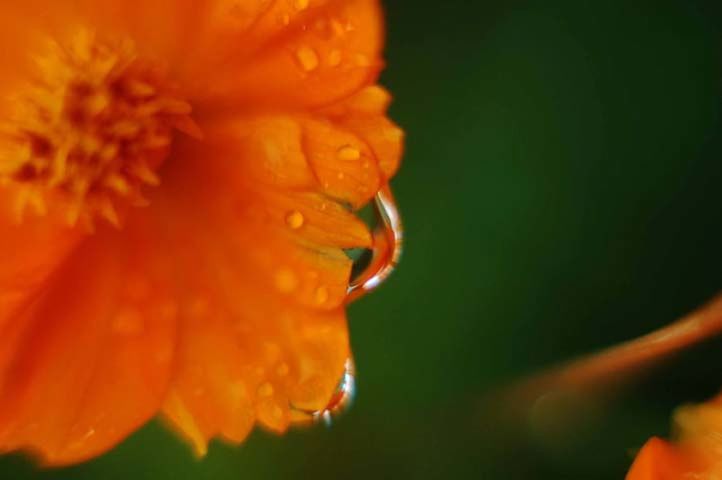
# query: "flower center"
(89, 131)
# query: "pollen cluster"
(88, 130)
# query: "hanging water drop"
(387, 248)
(340, 400)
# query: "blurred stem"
(601, 370)
(632, 355)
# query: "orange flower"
(696, 454)
(177, 181)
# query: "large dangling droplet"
(340, 400)
(387, 247)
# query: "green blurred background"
(561, 193)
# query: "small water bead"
(321, 296)
(393, 134)
(362, 60)
(348, 153)
(337, 404)
(286, 280)
(295, 220)
(338, 28)
(307, 58)
(334, 58)
(265, 390)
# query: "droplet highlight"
(387, 248)
(265, 390)
(295, 220)
(286, 281)
(348, 153)
(339, 402)
(307, 58)
(321, 295)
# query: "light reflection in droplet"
(388, 243)
(340, 401)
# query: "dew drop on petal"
(286, 280)
(348, 153)
(334, 58)
(339, 402)
(321, 295)
(295, 220)
(265, 390)
(338, 28)
(307, 58)
(362, 60)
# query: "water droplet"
(387, 250)
(295, 220)
(348, 153)
(307, 58)
(337, 27)
(286, 280)
(334, 58)
(340, 175)
(265, 390)
(362, 60)
(340, 400)
(286, 19)
(321, 295)
(393, 134)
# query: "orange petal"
(92, 358)
(302, 153)
(261, 329)
(344, 165)
(660, 460)
(364, 114)
(259, 254)
(323, 54)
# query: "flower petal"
(659, 460)
(315, 56)
(263, 333)
(91, 356)
(364, 114)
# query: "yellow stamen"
(88, 130)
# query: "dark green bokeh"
(561, 192)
